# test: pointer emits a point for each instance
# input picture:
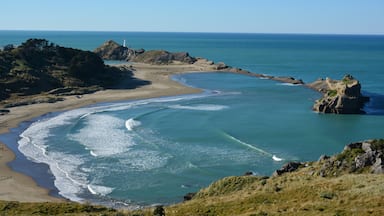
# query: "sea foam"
(103, 135)
(200, 107)
(70, 174)
(130, 124)
(99, 190)
(33, 144)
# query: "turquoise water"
(157, 150)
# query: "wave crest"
(131, 123)
(99, 190)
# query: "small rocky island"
(339, 96)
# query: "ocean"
(145, 152)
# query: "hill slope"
(344, 184)
(38, 66)
(339, 185)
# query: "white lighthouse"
(124, 44)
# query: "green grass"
(332, 93)
(300, 194)
(378, 144)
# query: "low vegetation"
(301, 192)
(38, 66)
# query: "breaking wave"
(99, 190)
(130, 124)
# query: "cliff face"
(339, 96)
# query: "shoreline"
(15, 185)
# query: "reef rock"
(339, 96)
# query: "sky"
(244, 16)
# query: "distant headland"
(339, 97)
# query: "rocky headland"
(339, 96)
(38, 71)
(111, 50)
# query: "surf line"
(274, 157)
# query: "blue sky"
(253, 16)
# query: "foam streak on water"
(201, 107)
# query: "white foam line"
(93, 154)
(91, 190)
(274, 157)
(288, 84)
(200, 107)
(68, 176)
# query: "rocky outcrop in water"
(339, 96)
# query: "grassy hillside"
(339, 185)
(335, 185)
(38, 66)
(298, 193)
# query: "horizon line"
(198, 32)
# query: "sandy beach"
(18, 187)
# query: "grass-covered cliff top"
(349, 183)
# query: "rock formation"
(339, 96)
(366, 156)
(111, 50)
(288, 167)
(163, 57)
